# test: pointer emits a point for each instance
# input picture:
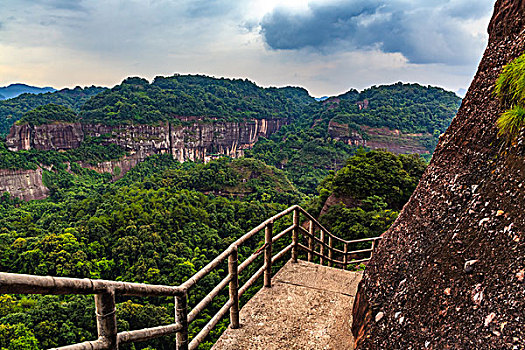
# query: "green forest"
(13, 109)
(161, 223)
(164, 220)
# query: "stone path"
(308, 307)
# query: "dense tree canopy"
(166, 98)
(12, 110)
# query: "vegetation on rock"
(510, 89)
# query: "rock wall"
(200, 139)
(186, 142)
(24, 184)
(449, 273)
(195, 140)
(143, 140)
(55, 136)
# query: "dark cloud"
(433, 32)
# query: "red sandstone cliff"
(196, 141)
(449, 274)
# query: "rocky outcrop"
(194, 140)
(392, 140)
(342, 132)
(19, 137)
(202, 140)
(117, 168)
(449, 273)
(336, 199)
(56, 136)
(24, 184)
(143, 140)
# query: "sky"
(325, 46)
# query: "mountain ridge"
(17, 89)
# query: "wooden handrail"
(106, 291)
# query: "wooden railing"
(318, 243)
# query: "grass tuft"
(510, 89)
(511, 122)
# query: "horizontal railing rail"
(324, 246)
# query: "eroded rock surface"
(449, 272)
(24, 184)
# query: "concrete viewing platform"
(308, 307)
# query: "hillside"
(188, 97)
(13, 109)
(449, 273)
(15, 90)
(364, 197)
(402, 118)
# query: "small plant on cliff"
(510, 89)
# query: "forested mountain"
(12, 110)
(169, 98)
(160, 223)
(404, 118)
(364, 197)
(163, 220)
(15, 90)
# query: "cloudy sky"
(326, 46)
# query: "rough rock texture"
(19, 138)
(55, 136)
(143, 140)
(197, 140)
(117, 168)
(449, 274)
(396, 141)
(193, 141)
(334, 199)
(304, 310)
(24, 184)
(201, 139)
(343, 133)
(392, 140)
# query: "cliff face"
(56, 136)
(188, 142)
(196, 141)
(24, 184)
(449, 273)
(392, 140)
(231, 139)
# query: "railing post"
(321, 248)
(107, 319)
(295, 235)
(345, 258)
(311, 240)
(330, 251)
(373, 247)
(268, 255)
(181, 316)
(234, 288)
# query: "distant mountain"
(15, 90)
(318, 99)
(12, 109)
(461, 92)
